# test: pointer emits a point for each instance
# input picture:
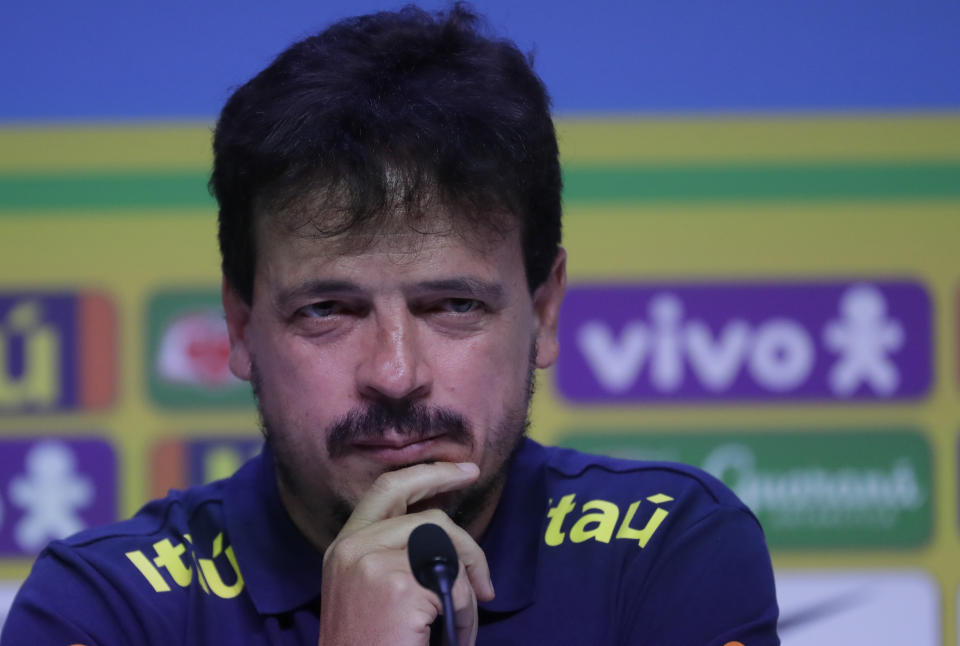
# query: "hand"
(369, 595)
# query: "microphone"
(434, 563)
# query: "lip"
(396, 451)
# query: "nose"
(394, 366)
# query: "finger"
(466, 618)
(381, 580)
(394, 533)
(392, 492)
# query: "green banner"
(188, 350)
(809, 489)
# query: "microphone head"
(429, 547)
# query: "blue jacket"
(583, 550)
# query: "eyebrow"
(468, 287)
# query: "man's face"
(367, 358)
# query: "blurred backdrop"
(762, 216)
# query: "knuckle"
(344, 551)
(333, 553)
(384, 483)
(368, 565)
(437, 517)
(399, 583)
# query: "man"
(389, 198)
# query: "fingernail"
(469, 467)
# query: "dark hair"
(386, 112)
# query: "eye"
(460, 305)
(322, 309)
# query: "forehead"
(289, 251)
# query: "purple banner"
(51, 488)
(38, 338)
(214, 458)
(745, 341)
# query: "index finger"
(392, 492)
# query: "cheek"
(485, 375)
(297, 379)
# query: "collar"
(280, 567)
(282, 570)
(512, 541)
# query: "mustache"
(415, 421)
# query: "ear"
(238, 316)
(546, 310)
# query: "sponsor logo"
(57, 351)
(181, 560)
(597, 520)
(194, 351)
(747, 341)
(52, 488)
(838, 608)
(178, 464)
(188, 352)
(808, 489)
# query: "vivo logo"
(53, 487)
(745, 341)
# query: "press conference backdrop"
(762, 217)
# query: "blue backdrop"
(120, 59)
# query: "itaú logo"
(57, 351)
(745, 341)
